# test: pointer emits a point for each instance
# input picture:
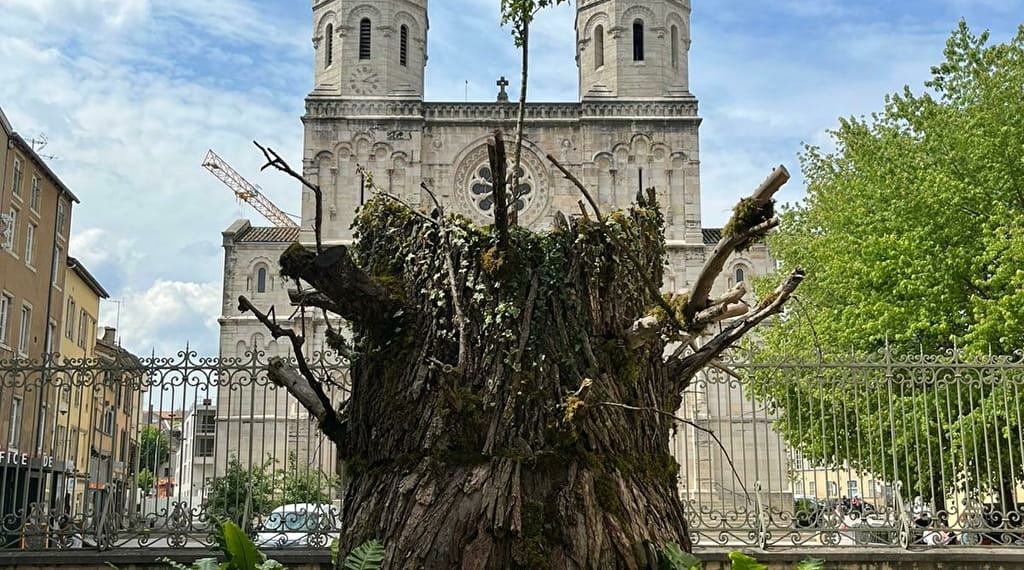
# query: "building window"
(16, 179)
(5, 315)
(403, 47)
(108, 420)
(204, 447)
(24, 329)
(853, 489)
(69, 320)
(207, 424)
(598, 47)
(57, 252)
(261, 280)
(34, 204)
(85, 325)
(12, 231)
(740, 276)
(61, 218)
(30, 243)
(329, 46)
(675, 47)
(364, 38)
(14, 428)
(41, 428)
(638, 40)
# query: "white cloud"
(166, 316)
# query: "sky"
(130, 94)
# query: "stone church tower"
(367, 125)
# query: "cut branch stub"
(355, 296)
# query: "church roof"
(712, 235)
(269, 235)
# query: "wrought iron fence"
(875, 450)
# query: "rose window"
(481, 191)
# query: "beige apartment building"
(75, 402)
(35, 220)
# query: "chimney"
(109, 334)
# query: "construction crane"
(247, 191)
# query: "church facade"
(367, 126)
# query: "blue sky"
(131, 94)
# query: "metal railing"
(872, 450)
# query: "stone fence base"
(847, 558)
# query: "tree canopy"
(912, 235)
(154, 447)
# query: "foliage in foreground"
(674, 558)
(240, 553)
(258, 489)
(913, 236)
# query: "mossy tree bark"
(512, 399)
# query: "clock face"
(364, 80)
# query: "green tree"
(146, 481)
(304, 484)
(912, 235)
(241, 491)
(154, 447)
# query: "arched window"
(364, 38)
(739, 275)
(675, 47)
(403, 53)
(598, 47)
(261, 280)
(329, 46)
(638, 40)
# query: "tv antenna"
(38, 143)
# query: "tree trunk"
(508, 462)
(511, 407)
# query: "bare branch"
(690, 423)
(718, 313)
(686, 367)
(732, 295)
(579, 185)
(310, 394)
(275, 160)
(312, 298)
(496, 154)
(733, 240)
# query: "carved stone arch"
(634, 13)
(343, 151)
(328, 18)
(363, 144)
(361, 11)
(660, 152)
(600, 18)
(381, 151)
(257, 342)
(259, 260)
(679, 159)
(674, 19)
(402, 17)
(640, 143)
(621, 152)
(240, 349)
(399, 159)
(603, 160)
(324, 154)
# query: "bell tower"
(633, 49)
(370, 49)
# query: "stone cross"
(502, 95)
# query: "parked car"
(808, 512)
(296, 524)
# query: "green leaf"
(366, 556)
(811, 564)
(675, 558)
(741, 561)
(335, 552)
(238, 548)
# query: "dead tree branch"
(302, 383)
(744, 226)
(686, 367)
(274, 160)
(355, 295)
(499, 187)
